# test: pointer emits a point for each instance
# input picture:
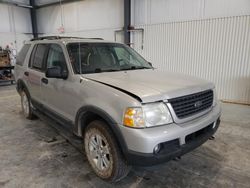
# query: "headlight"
(215, 97)
(156, 114)
(148, 116)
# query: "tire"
(26, 105)
(103, 153)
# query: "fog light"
(157, 148)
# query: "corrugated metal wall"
(93, 18)
(107, 34)
(214, 49)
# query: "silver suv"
(126, 111)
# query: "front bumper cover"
(172, 149)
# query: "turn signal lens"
(133, 117)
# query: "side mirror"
(56, 72)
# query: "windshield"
(104, 57)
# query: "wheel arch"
(87, 114)
(20, 85)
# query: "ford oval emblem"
(197, 104)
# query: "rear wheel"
(26, 105)
(103, 153)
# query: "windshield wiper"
(143, 68)
(135, 68)
(98, 70)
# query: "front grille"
(192, 104)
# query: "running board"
(62, 129)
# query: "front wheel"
(103, 153)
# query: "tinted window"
(22, 54)
(32, 55)
(39, 56)
(56, 57)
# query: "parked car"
(126, 111)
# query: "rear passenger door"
(36, 71)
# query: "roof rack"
(61, 37)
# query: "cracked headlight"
(153, 114)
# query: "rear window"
(37, 61)
(22, 54)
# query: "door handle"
(45, 80)
(26, 73)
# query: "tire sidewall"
(23, 94)
(101, 128)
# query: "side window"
(39, 54)
(56, 57)
(22, 54)
(32, 55)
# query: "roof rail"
(61, 37)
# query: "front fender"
(79, 126)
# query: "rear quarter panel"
(20, 69)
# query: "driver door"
(56, 91)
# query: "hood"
(151, 85)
